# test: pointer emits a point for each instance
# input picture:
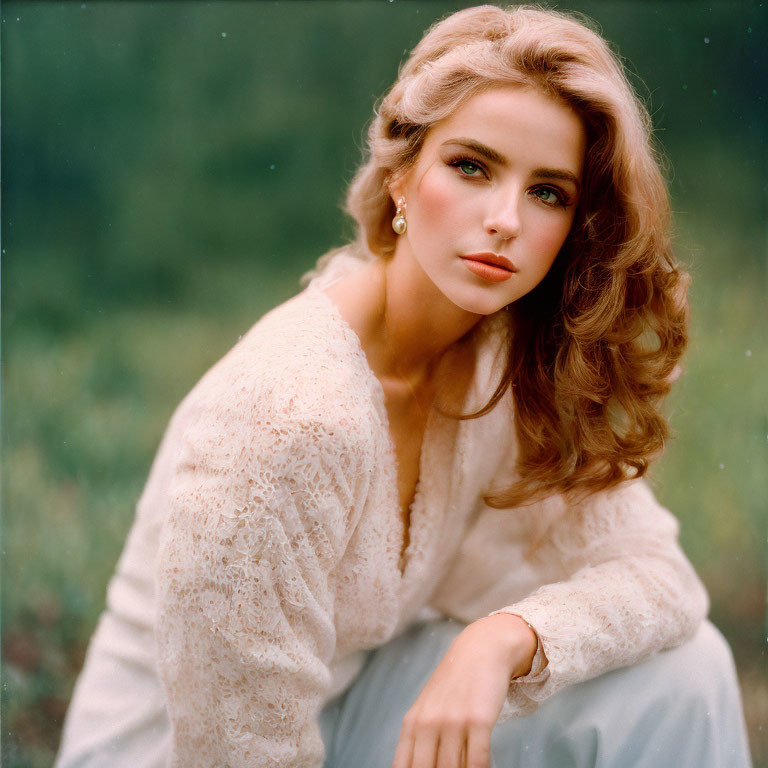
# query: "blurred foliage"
(171, 168)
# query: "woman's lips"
(487, 271)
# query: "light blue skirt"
(678, 709)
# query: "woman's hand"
(450, 723)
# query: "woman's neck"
(406, 326)
(415, 324)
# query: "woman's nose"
(503, 218)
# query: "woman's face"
(498, 178)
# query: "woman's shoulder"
(304, 331)
(297, 368)
(304, 340)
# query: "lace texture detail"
(270, 478)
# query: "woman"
(408, 506)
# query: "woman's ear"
(396, 185)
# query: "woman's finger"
(450, 748)
(404, 750)
(425, 748)
(479, 746)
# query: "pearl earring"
(399, 224)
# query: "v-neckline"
(404, 557)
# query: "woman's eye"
(549, 196)
(467, 167)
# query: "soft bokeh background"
(170, 169)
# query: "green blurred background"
(169, 171)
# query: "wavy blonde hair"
(594, 346)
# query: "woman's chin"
(479, 305)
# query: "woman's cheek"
(551, 232)
(438, 199)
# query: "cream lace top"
(272, 516)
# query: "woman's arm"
(260, 515)
(630, 591)
(606, 586)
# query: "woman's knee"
(680, 703)
(690, 688)
(700, 672)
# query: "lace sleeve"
(631, 592)
(261, 512)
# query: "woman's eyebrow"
(481, 149)
(559, 174)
